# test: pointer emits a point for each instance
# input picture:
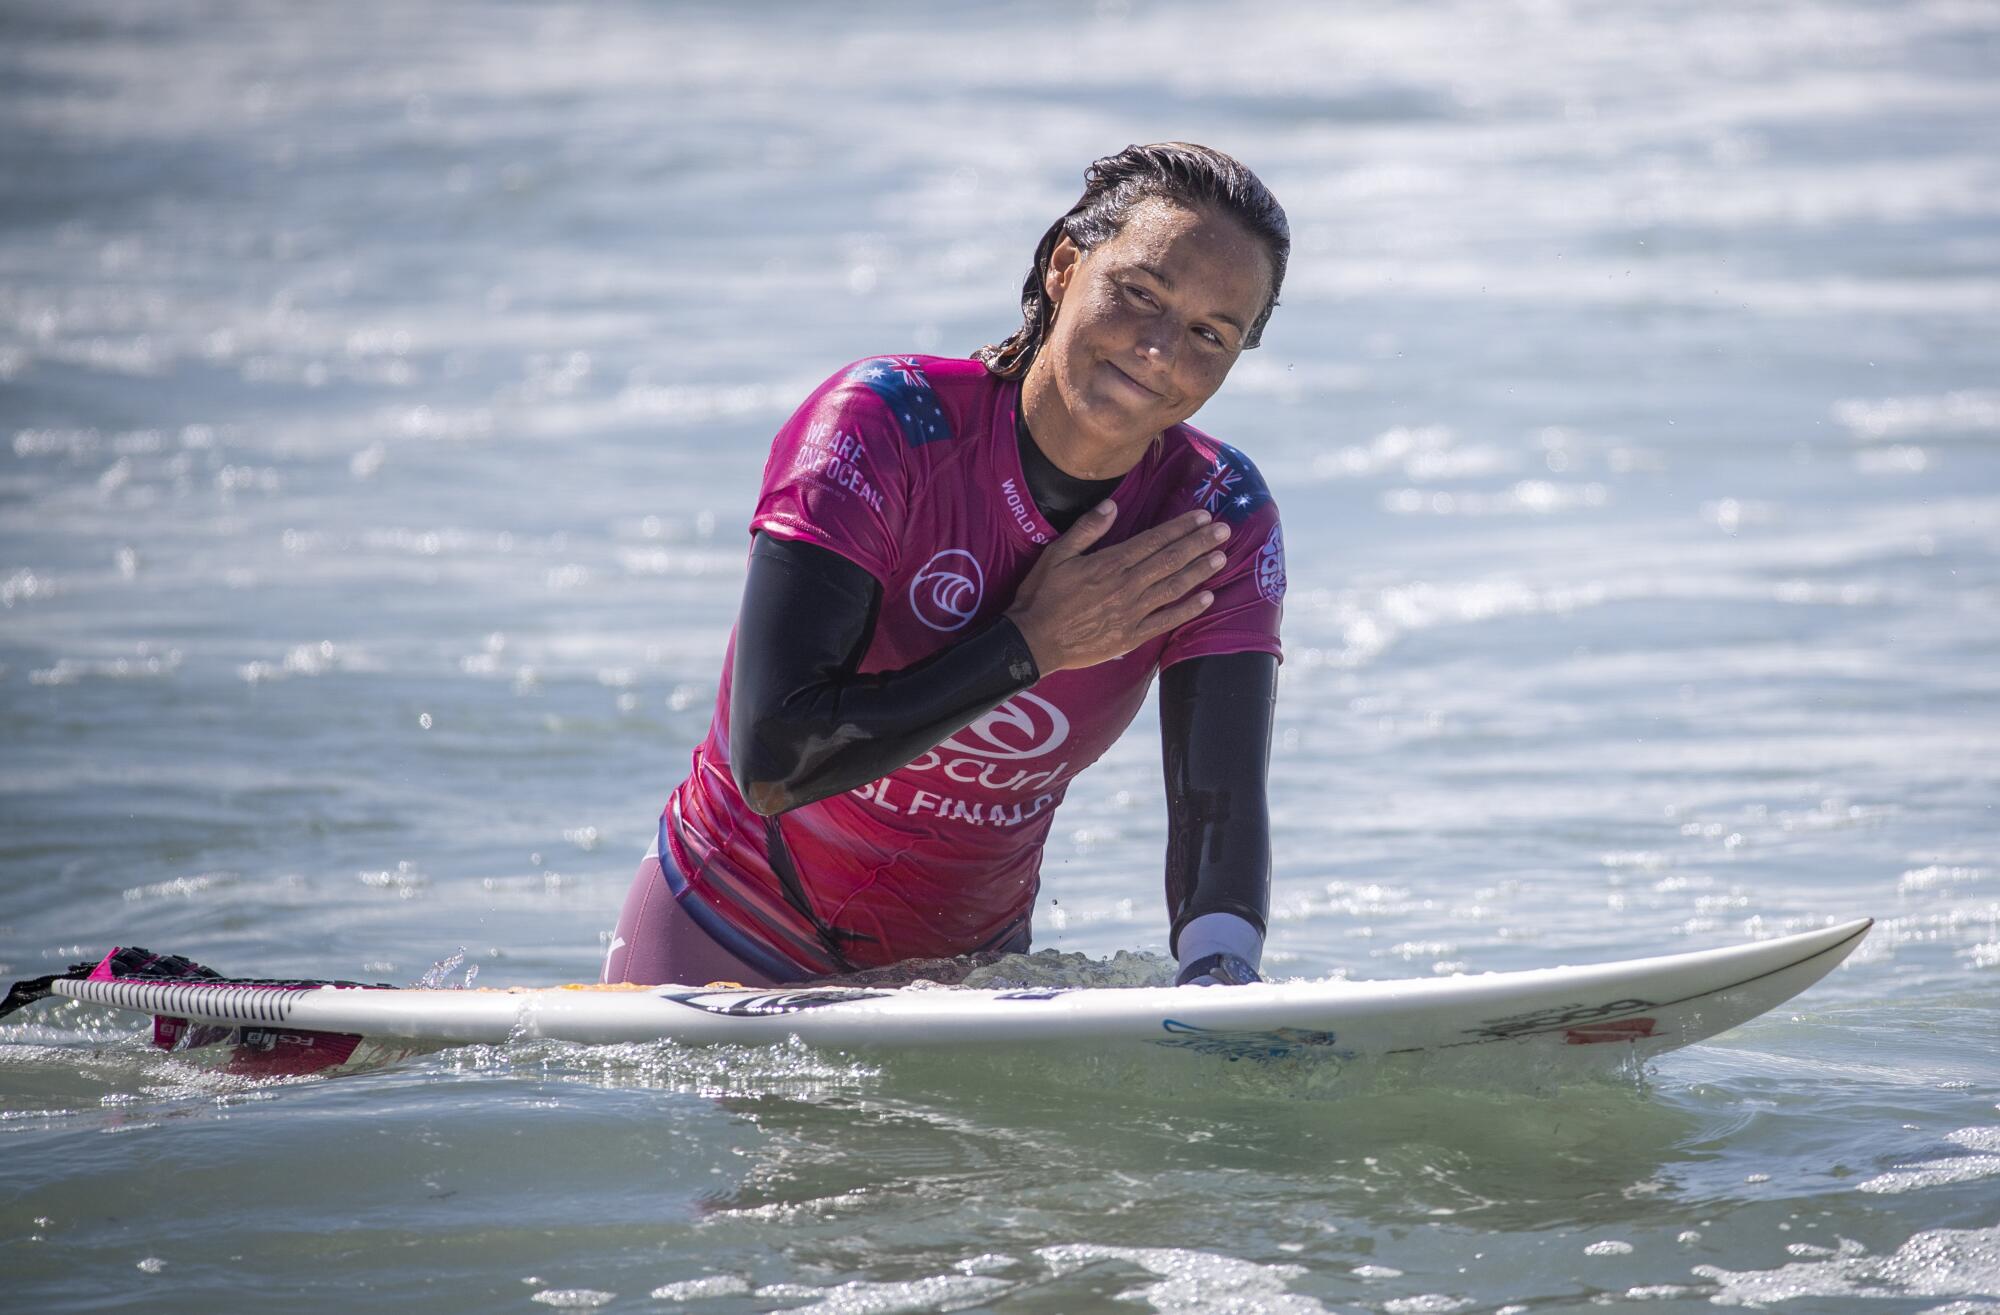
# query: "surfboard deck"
(1647, 1005)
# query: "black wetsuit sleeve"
(803, 723)
(1215, 738)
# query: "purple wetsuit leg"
(658, 942)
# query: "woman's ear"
(1062, 264)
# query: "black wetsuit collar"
(1060, 496)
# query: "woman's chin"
(1116, 426)
(1116, 410)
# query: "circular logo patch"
(1025, 726)
(947, 592)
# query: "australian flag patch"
(1231, 488)
(900, 382)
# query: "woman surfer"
(963, 577)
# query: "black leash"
(831, 937)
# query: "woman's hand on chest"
(1077, 608)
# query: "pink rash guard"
(908, 467)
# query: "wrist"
(1033, 646)
(1022, 665)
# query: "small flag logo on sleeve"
(899, 381)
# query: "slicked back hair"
(1198, 177)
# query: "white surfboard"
(1646, 1005)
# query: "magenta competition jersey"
(909, 467)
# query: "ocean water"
(382, 394)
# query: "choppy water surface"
(383, 390)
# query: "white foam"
(1939, 1262)
(1430, 1303)
(701, 1289)
(985, 1263)
(1943, 1173)
(937, 1292)
(575, 1298)
(1195, 1281)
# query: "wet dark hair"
(1198, 177)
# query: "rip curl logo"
(1025, 726)
(1271, 568)
(991, 770)
(947, 592)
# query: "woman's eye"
(1139, 294)
(1210, 336)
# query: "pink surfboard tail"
(254, 1051)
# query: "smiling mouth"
(1150, 392)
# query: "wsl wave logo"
(946, 593)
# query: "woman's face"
(1148, 323)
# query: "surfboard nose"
(1843, 936)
